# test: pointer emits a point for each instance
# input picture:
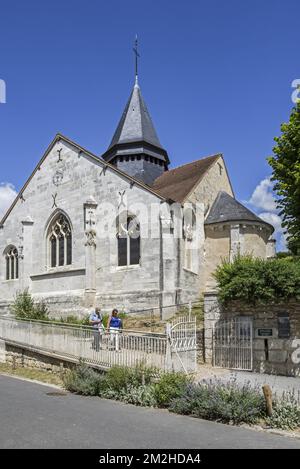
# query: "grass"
(30, 373)
(155, 324)
(143, 323)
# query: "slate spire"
(135, 147)
(135, 124)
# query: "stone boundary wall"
(21, 357)
(272, 355)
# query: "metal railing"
(105, 349)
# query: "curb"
(273, 431)
(42, 383)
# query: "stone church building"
(122, 229)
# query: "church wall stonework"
(225, 241)
(215, 180)
(217, 247)
(91, 195)
(209, 253)
(64, 183)
(255, 241)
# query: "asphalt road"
(30, 418)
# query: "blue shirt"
(115, 322)
(95, 317)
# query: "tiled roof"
(177, 183)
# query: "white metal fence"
(105, 349)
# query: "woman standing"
(114, 326)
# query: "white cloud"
(7, 195)
(263, 203)
(279, 234)
(273, 219)
(263, 196)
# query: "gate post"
(212, 313)
(168, 348)
(169, 366)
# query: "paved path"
(279, 384)
(32, 419)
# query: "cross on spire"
(135, 50)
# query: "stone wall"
(271, 354)
(21, 357)
(217, 247)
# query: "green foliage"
(84, 380)
(285, 163)
(71, 319)
(119, 378)
(227, 403)
(286, 415)
(223, 402)
(169, 387)
(255, 281)
(130, 385)
(41, 311)
(24, 307)
(142, 395)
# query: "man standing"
(96, 322)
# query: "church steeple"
(135, 147)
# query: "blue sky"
(216, 76)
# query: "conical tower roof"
(135, 133)
(135, 124)
(227, 209)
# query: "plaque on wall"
(284, 328)
(264, 332)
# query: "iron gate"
(232, 343)
(182, 344)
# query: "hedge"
(258, 281)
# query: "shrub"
(24, 307)
(41, 311)
(254, 281)
(120, 383)
(286, 415)
(170, 386)
(227, 403)
(143, 395)
(84, 380)
(71, 319)
(118, 377)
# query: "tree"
(24, 307)
(285, 163)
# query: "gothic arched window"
(60, 242)
(12, 263)
(129, 240)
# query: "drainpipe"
(161, 269)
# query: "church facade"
(122, 229)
